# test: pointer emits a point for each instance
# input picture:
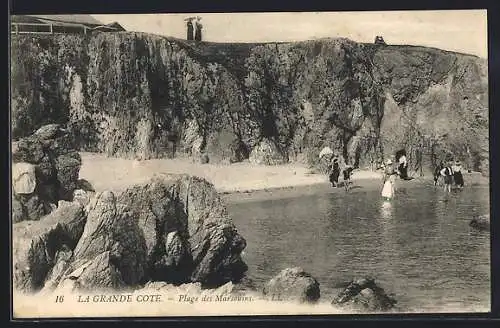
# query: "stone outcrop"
(111, 253)
(174, 229)
(45, 170)
(481, 223)
(39, 247)
(365, 295)
(292, 284)
(266, 152)
(364, 101)
(189, 234)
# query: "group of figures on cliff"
(447, 175)
(190, 28)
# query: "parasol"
(399, 153)
(325, 151)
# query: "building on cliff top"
(51, 24)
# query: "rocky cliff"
(138, 95)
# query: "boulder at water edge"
(292, 284)
(365, 295)
(45, 170)
(189, 235)
(267, 153)
(173, 229)
(481, 222)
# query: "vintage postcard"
(250, 164)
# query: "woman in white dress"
(389, 178)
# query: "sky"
(456, 30)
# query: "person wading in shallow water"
(437, 172)
(447, 174)
(334, 172)
(388, 180)
(347, 173)
(457, 174)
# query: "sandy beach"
(236, 182)
(105, 173)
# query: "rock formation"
(45, 170)
(292, 284)
(40, 248)
(124, 94)
(481, 222)
(174, 229)
(266, 152)
(365, 295)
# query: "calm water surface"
(419, 246)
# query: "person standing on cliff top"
(190, 29)
(199, 26)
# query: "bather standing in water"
(389, 179)
(447, 174)
(457, 174)
(334, 172)
(437, 172)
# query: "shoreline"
(238, 182)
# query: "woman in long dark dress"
(198, 27)
(457, 175)
(334, 172)
(403, 164)
(437, 172)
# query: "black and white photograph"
(266, 163)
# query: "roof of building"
(67, 20)
(75, 19)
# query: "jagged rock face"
(292, 284)
(45, 170)
(37, 245)
(189, 234)
(365, 295)
(266, 152)
(173, 229)
(132, 94)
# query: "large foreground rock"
(365, 295)
(292, 284)
(37, 245)
(174, 229)
(189, 235)
(45, 170)
(111, 252)
(481, 222)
